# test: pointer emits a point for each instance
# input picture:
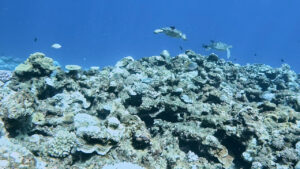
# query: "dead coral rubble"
(189, 111)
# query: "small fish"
(35, 39)
(282, 60)
(255, 54)
(181, 48)
(56, 46)
(218, 46)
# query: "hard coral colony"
(189, 111)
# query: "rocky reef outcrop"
(187, 111)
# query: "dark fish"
(35, 39)
(205, 46)
(180, 47)
(255, 54)
(282, 60)
(172, 27)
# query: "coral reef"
(5, 75)
(188, 111)
(35, 66)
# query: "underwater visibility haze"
(160, 84)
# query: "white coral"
(122, 165)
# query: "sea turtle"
(171, 31)
(218, 46)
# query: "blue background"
(101, 32)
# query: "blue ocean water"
(99, 33)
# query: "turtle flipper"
(156, 31)
(228, 53)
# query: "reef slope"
(188, 111)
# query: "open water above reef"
(99, 33)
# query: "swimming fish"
(171, 31)
(218, 46)
(180, 47)
(56, 46)
(35, 39)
